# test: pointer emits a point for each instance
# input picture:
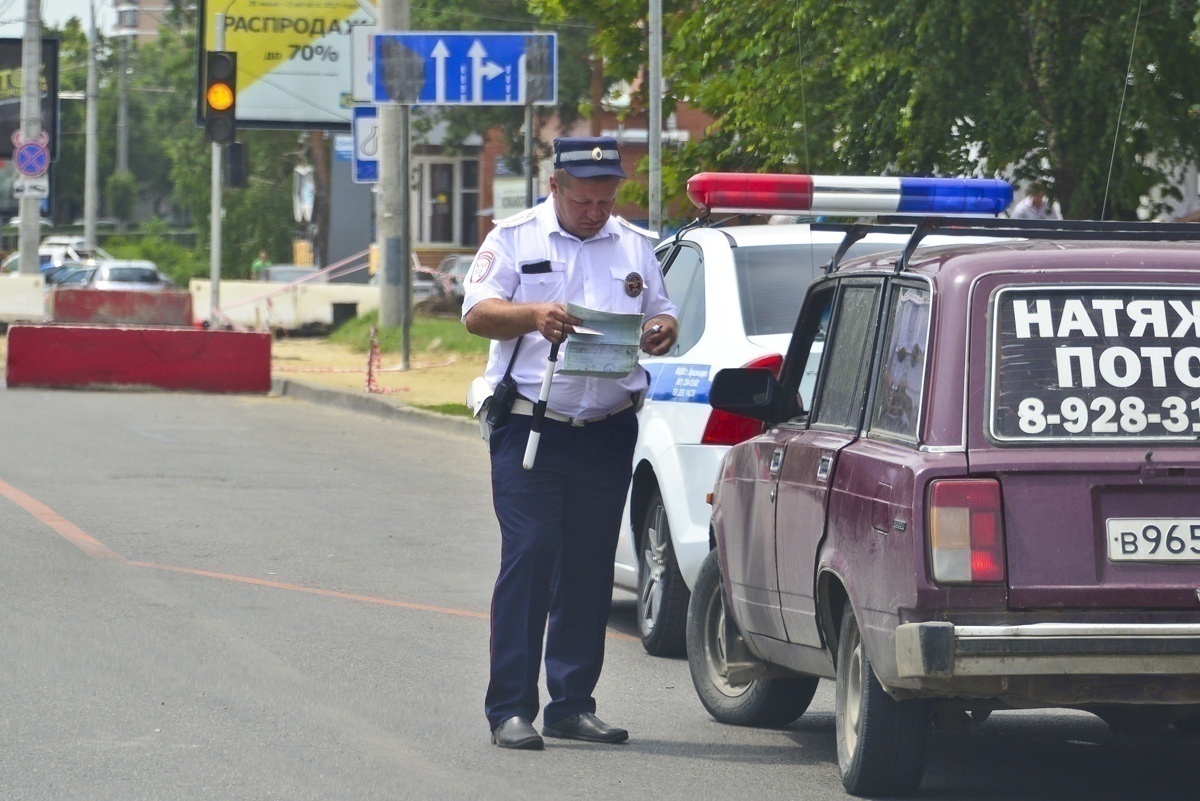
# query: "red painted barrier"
(119, 307)
(69, 356)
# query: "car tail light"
(729, 429)
(966, 531)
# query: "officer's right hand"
(553, 322)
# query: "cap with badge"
(588, 156)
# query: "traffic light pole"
(214, 240)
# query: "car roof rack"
(918, 228)
(856, 231)
(1040, 229)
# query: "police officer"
(559, 520)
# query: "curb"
(377, 405)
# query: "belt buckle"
(577, 423)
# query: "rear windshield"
(131, 275)
(772, 280)
(1095, 363)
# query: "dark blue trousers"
(559, 524)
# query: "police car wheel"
(768, 702)
(662, 597)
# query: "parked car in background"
(70, 273)
(55, 251)
(453, 272)
(987, 499)
(290, 273)
(130, 276)
(738, 289)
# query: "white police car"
(738, 290)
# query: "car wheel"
(1188, 724)
(662, 597)
(881, 742)
(759, 702)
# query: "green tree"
(928, 87)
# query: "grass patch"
(454, 409)
(426, 334)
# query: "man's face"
(583, 205)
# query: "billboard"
(293, 59)
(11, 87)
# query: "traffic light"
(220, 96)
(237, 166)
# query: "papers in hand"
(605, 345)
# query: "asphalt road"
(261, 598)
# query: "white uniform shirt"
(591, 273)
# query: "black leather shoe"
(585, 726)
(517, 732)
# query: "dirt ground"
(433, 379)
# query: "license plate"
(1153, 539)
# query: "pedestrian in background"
(259, 266)
(1036, 206)
(559, 520)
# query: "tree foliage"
(1057, 91)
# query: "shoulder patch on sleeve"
(481, 266)
(635, 228)
(517, 219)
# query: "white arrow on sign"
(481, 69)
(440, 54)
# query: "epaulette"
(636, 228)
(519, 218)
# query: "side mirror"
(751, 392)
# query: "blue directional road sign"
(442, 68)
(366, 145)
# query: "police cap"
(588, 156)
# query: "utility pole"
(90, 190)
(394, 243)
(31, 131)
(123, 117)
(214, 226)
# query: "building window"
(445, 201)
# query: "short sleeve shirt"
(614, 271)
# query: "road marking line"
(61, 526)
(348, 596)
(98, 550)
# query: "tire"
(662, 597)
(881, 742)
(1188, 724)
(761, 702)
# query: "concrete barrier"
(21, 298)
(78, 356)
(259, 304)
(119, 307)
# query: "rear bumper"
(944, 650)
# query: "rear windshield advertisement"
(1097, 363)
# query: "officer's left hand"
(659, 342)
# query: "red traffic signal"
(220, 96)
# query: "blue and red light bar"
(766, 193)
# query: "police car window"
(1095, 363)
(847, 357)
(772, 280)
(684, 279)
(901, 380)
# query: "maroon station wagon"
(989, 500)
